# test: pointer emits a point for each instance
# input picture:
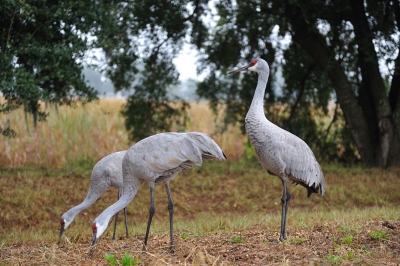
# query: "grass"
(227, 211)
(347, 240)
(127, 260)
(379, 235)
(81, 136)
(33, 200)
(218, 199)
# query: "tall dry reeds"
(90, 132)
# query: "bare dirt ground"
(324, 245)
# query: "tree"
(333, 50)
(139, 59)
(42, 46)
(335, 47)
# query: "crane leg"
(152, 210)
(126, 222)
(171, 217)
(115, 223)
(285, 205)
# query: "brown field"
(225, 213)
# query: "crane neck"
(131, 186)
(89, 200)
(257, 104)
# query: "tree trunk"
(373, 88)
(394, 100)
(323, 56)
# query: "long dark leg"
(152, 210)
(285, 205)
(171, 217)
(116, 220)
(126, 222)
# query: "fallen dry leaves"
(318, 246)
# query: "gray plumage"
(158, 158)
(280, 152)
(106, 173)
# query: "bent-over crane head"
(64, 222)
(94, 239)
(98, 230)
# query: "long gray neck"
(129, 191)
(257, 104)
(78, 208)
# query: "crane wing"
(166, 151)
(301, 165)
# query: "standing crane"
(155, 159)
(106, 173)
(280, 152)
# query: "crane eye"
(252, 63)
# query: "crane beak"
(239, 69)
(61, 233)
(94, 242)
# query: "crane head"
(248, 67)
(94, 240)
(98, 229)
(65, 221)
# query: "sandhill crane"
(155, 159)
(280, 152)
(106, 173)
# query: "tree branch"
(302, 88)
(333, 121)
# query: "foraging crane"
(155, 159)
(106, 173)
(280, 152)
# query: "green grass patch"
(237, 239)
(184, 235)
(334, 259)
(347, 240)
(297, 241)
(127, 260)
(379, 235)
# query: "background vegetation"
(81, 136)
(348, 59)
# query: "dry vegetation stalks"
(86, 133)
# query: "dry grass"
(87, 133)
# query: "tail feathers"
(207, 145)
(311, 189)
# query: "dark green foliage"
(148, 117)
(155, 32)
(329, 57)
(42, 44)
